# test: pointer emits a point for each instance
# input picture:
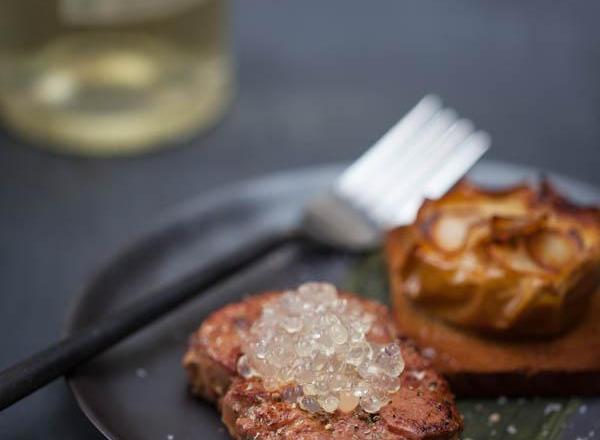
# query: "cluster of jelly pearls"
(311, 344)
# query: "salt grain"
(419, 375)
(511, 429)
(141, 373)
(494, 418)
(582, 409)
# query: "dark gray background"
(318, 82)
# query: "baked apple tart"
(519, 261)
(499, 287)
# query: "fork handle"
(43, 367)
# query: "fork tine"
(362, 169)
(454, 167)
(387, 178)
(422, 155)
(420, 172)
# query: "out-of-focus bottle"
(113, 76)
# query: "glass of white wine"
(110, 77)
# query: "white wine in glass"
(112, 77)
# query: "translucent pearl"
(261, 367)
(329, 403)
(292, 393)
(338, 333)
(384, 383)
(305, 347)
(337, 381)
(361, 389)
(322, 383)
(301, 372)
(260, 348)
(310, 389)
(340, 305)
(389, 360)
(290, 302)
(318, 363)
(243, 367)
(356, 354)
(310, 404)
(279, 356)
(370, 403)
(326, 345)
(341, 350)
(291, 324)
(271, 383)
(285, 375)
(393, 349)
(268, 313)
(367, 369)
(316, 332)
(348, 402)
(325, 292)
(355, 334)
(361, 325)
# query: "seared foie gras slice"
(423, 408)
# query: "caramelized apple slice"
(505, 228)
(553, 250)
(514, 257)
(449, 231)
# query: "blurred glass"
(113, 76)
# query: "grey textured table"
(319, 81)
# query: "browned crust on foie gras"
(424, 407)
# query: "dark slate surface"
(318, 82)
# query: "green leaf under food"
(501, 418)
(368, 277)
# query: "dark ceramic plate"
(137, 390)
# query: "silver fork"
(423, 155)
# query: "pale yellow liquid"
(116, 86)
